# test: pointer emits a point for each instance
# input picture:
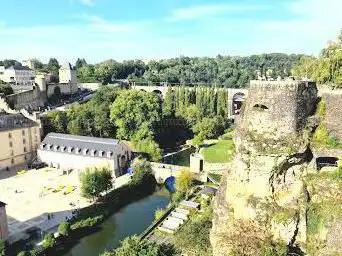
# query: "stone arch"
(238, 99)
(326, 161)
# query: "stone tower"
(67, 74)
(264, 182)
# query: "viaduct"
(236, 96)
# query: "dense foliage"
(95, 181)
(133, 246)
(5, 89)
(222, 71)
(327, 68)
(2, 248)
(184, 182)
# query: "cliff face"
(262, 204)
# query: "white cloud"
(87, 2)
(209, 10)
(100, 24)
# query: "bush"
(64, 229)
(159, 213)
(184, 181)
(141, 170)
(24, 253)
(2, 248)
(49, 241)
(321, 109)
(87, 223)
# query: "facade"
(20, 138)
(18, 75)
(67, 74)
(3, 222)
(71, 152)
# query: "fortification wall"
(278, 107)
(333, 113)
(66, 88)
(31, 99)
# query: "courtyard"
(39, 199)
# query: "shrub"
(49, 241)
(2, 248)
(64, 229)
(321, 109)
(159, 213)
(24, 253)
(184, 181)
(86, 223)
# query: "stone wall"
(66, 88)
(333, 113)
(32, 99)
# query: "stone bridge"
(236, 96)
(163, 171)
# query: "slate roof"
(14, 121)
(18, 68)
(69, 144)
(2, 204)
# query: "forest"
(148, 122)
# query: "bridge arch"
(326, 161)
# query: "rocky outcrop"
(263, 202)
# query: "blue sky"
(154, 29)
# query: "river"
(130, 220)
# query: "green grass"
(220, 152)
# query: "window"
(25, 157)
(23, 132)
(12, 161)
(24, 141)
(25, 150)
(10, 135)
(11, 144)
(12, 152)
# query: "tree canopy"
(327, 68)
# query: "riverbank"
(89, 218)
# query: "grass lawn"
(220, 152)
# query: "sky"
(153, 29)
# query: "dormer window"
(93, 152)
(70, 149)
(62, 148)
(56, 147)
(78, 150)
(109, 154)
(85, 151)
(48, 146)
(101, 153)
(42, 146)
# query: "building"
(20, 138)
(28, 63)
(67, 74)
(3, 222)
(17, 75)
(71, 152)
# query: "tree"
(6, 89)
(184, 182)
(49, 241)
(134, 246)
(135, 110)
(95, 181)
(141, 169)
(208, 128)
(64, 229)
(53, 66)
(37, 64)
(80, 63)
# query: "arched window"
(260, 107)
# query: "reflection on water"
(132, 219)
(182, 158)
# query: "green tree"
(94, 181)
(49, 241)
(169, 103)
(80, 63)
(37, 64)
(184, 182)
(53, 66)
(64, 229)
(208, 128)
(142, 169)
(133, 110)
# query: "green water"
(132, 219)
(182, 158)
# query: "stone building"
(67, 74)
(17, 75)
(3, 222)
(20, 137)
(71, 152)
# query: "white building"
(17, 75)
(67, 74)
(71, 152)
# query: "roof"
(59, 140)
(208, 190)
(18, 68)
(14, 121)
(2, 204)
